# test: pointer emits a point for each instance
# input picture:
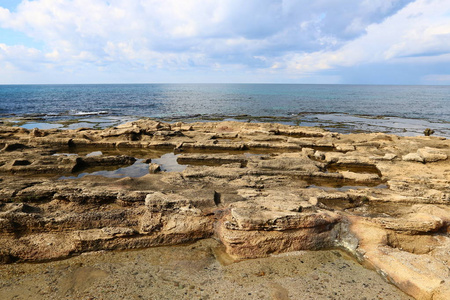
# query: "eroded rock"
(259, 188)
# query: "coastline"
(259, 188)
(335, 122)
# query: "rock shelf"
(258, 188)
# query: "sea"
(402, 110)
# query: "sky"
(225, 41)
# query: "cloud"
(292, 38)
(21, 56)
(419, 33)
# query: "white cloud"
(258, 36)
(418, 33)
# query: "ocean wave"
(71, 113)
(90, 113)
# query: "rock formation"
(259, 188)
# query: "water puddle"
(41, 126)
(172, 162)
(168, 163)
(138, 169)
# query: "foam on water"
(406, 110)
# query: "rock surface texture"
(259, 189)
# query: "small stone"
(308, 152)
(154, 168)
(413, 157)
(345, 148)
(35, 132)
(313, 200)
(389, 156)
(428, 132)
(319, 155)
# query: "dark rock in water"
(154, 168)
(428, 132)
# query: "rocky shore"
(260, 189)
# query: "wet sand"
(195, 271)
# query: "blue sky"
(254, 41)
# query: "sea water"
(405, 110)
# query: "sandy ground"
(195, 271)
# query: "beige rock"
(431, 154)
(360, 177)
(413, 157)
(252, 244)
(252, 219)
(419, 275)
(413, 223)
(158, 202)
(345, 147)
(389, 156)
(309, 152)
(260, 188)
(154, 168)
(289, 163)
(211, 159)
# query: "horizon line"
(236, 83)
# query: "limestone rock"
(211, 159)
(345, 147)
(413, 223)
(260, 188)
(309, 152)
(431, 154)
(389, 156)
(289, 163)
(360, 177)
(105, 233)
(13, 147)
(154, 168)
(158, 202)
(254, 219)
(413, 157)
(252, 244)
